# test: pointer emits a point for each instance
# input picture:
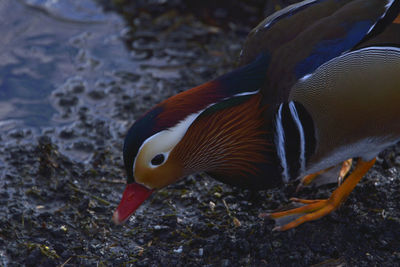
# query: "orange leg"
(397, 20)
(315, 209)
(306, 180)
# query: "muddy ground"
(60, 183)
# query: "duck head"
(218, 127)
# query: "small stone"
(201, 252)
(132, 77)
(178, 250)
(83, 146)
(212, 205)
(96, 95)
(77, 89)
(68, 101)
(67, 134)
(17, 134)
(236, 222)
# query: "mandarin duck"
(318, 83)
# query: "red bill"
(134, 195)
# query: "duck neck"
(231, 141)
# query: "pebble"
(178, 250)
(68, 101)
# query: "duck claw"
(331, 171)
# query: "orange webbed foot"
(308, 179)
(315, 209)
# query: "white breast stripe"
(296, 118)
(388, 5)
(280, 144)
(305, 77)
(244, 94)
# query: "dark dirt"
(61, 183)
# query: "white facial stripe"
(164, 141)
(296, 119)
(280, 143)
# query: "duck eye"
(158, 159)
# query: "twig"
(62, 265)
(227, 208)
(235, 220)
(115, 181)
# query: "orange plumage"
(229, 142)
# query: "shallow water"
(45, 45)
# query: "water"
(45, 44)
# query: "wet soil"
(62, 177)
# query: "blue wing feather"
(325, 50)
